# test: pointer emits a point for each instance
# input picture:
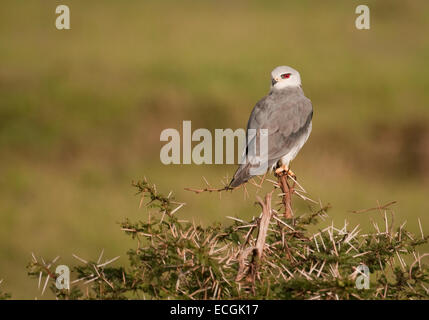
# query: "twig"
(197, 191)
(375, 208)
(264, 223)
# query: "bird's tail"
(241, 176)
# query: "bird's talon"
(283, 170)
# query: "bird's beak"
(273, 81)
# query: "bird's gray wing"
(286, 117)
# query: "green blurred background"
(81, 112)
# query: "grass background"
(81, 112)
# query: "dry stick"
(258, 249)
(263, 223)
(376, 208)
(208, 189)
(242, 263)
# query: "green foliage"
(177, 259)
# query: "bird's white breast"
(287, 158)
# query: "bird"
(286, 114)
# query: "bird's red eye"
(285, 75)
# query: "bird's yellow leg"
(283, 169)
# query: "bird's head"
(285, 77)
